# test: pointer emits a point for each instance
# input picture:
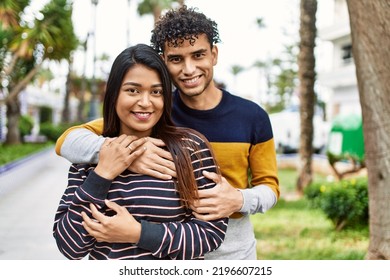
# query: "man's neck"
(205, 101)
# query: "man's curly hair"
(182, 24)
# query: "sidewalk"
(29, 196)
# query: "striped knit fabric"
(169, 230)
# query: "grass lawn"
(9, 153)
(294, 231)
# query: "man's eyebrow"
(173, 55)
(194, 52)
(199, 51)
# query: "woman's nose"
(144, 99)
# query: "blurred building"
(338, 80)
(33, 98)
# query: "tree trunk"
(307, 75)
(13, 107)
(156, 13)
(370, 28)
(66, 110)
(80, 108)
(15, 91)
(13, 116)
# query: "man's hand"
(121, 228)
(155, 161)
(218, 202)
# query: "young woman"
(160, 225)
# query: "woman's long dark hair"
(165, 130)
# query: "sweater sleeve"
(187, 240)
(264, 179)
(258, 199)
(192, 238)
(81, 144)
(84, 187)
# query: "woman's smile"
(142, 116)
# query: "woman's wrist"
(104, 173)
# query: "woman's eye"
(157, 92)
(131, 90)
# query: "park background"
(257, 49)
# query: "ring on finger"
(130, 148)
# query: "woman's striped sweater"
(169, 230)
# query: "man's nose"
(189, 67)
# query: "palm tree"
(66, 110)
(306, 75)
(264, 69)
(155, 7)
(9, 24)
(9, 12)
(49, 38)
(370, 27)
(235, 70)
(80, 108)
(10, 16)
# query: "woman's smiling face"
(140, 101)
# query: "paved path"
(29, 195)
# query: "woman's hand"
(117, 154)
(121, 228)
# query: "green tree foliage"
(25, 44)
(281, 76)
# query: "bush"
(26, 124)
(51, 131)
(345, 202)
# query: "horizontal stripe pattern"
(169, 230)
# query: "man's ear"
(214, 53)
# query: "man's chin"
(190, 93)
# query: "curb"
(16, 163)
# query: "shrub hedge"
(51, 131)
(344, 202)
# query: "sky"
(243, 42)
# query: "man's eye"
(199, 55)
(175, 59)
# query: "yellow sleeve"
(96, 126)
(264, 166)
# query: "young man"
(239, 130)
